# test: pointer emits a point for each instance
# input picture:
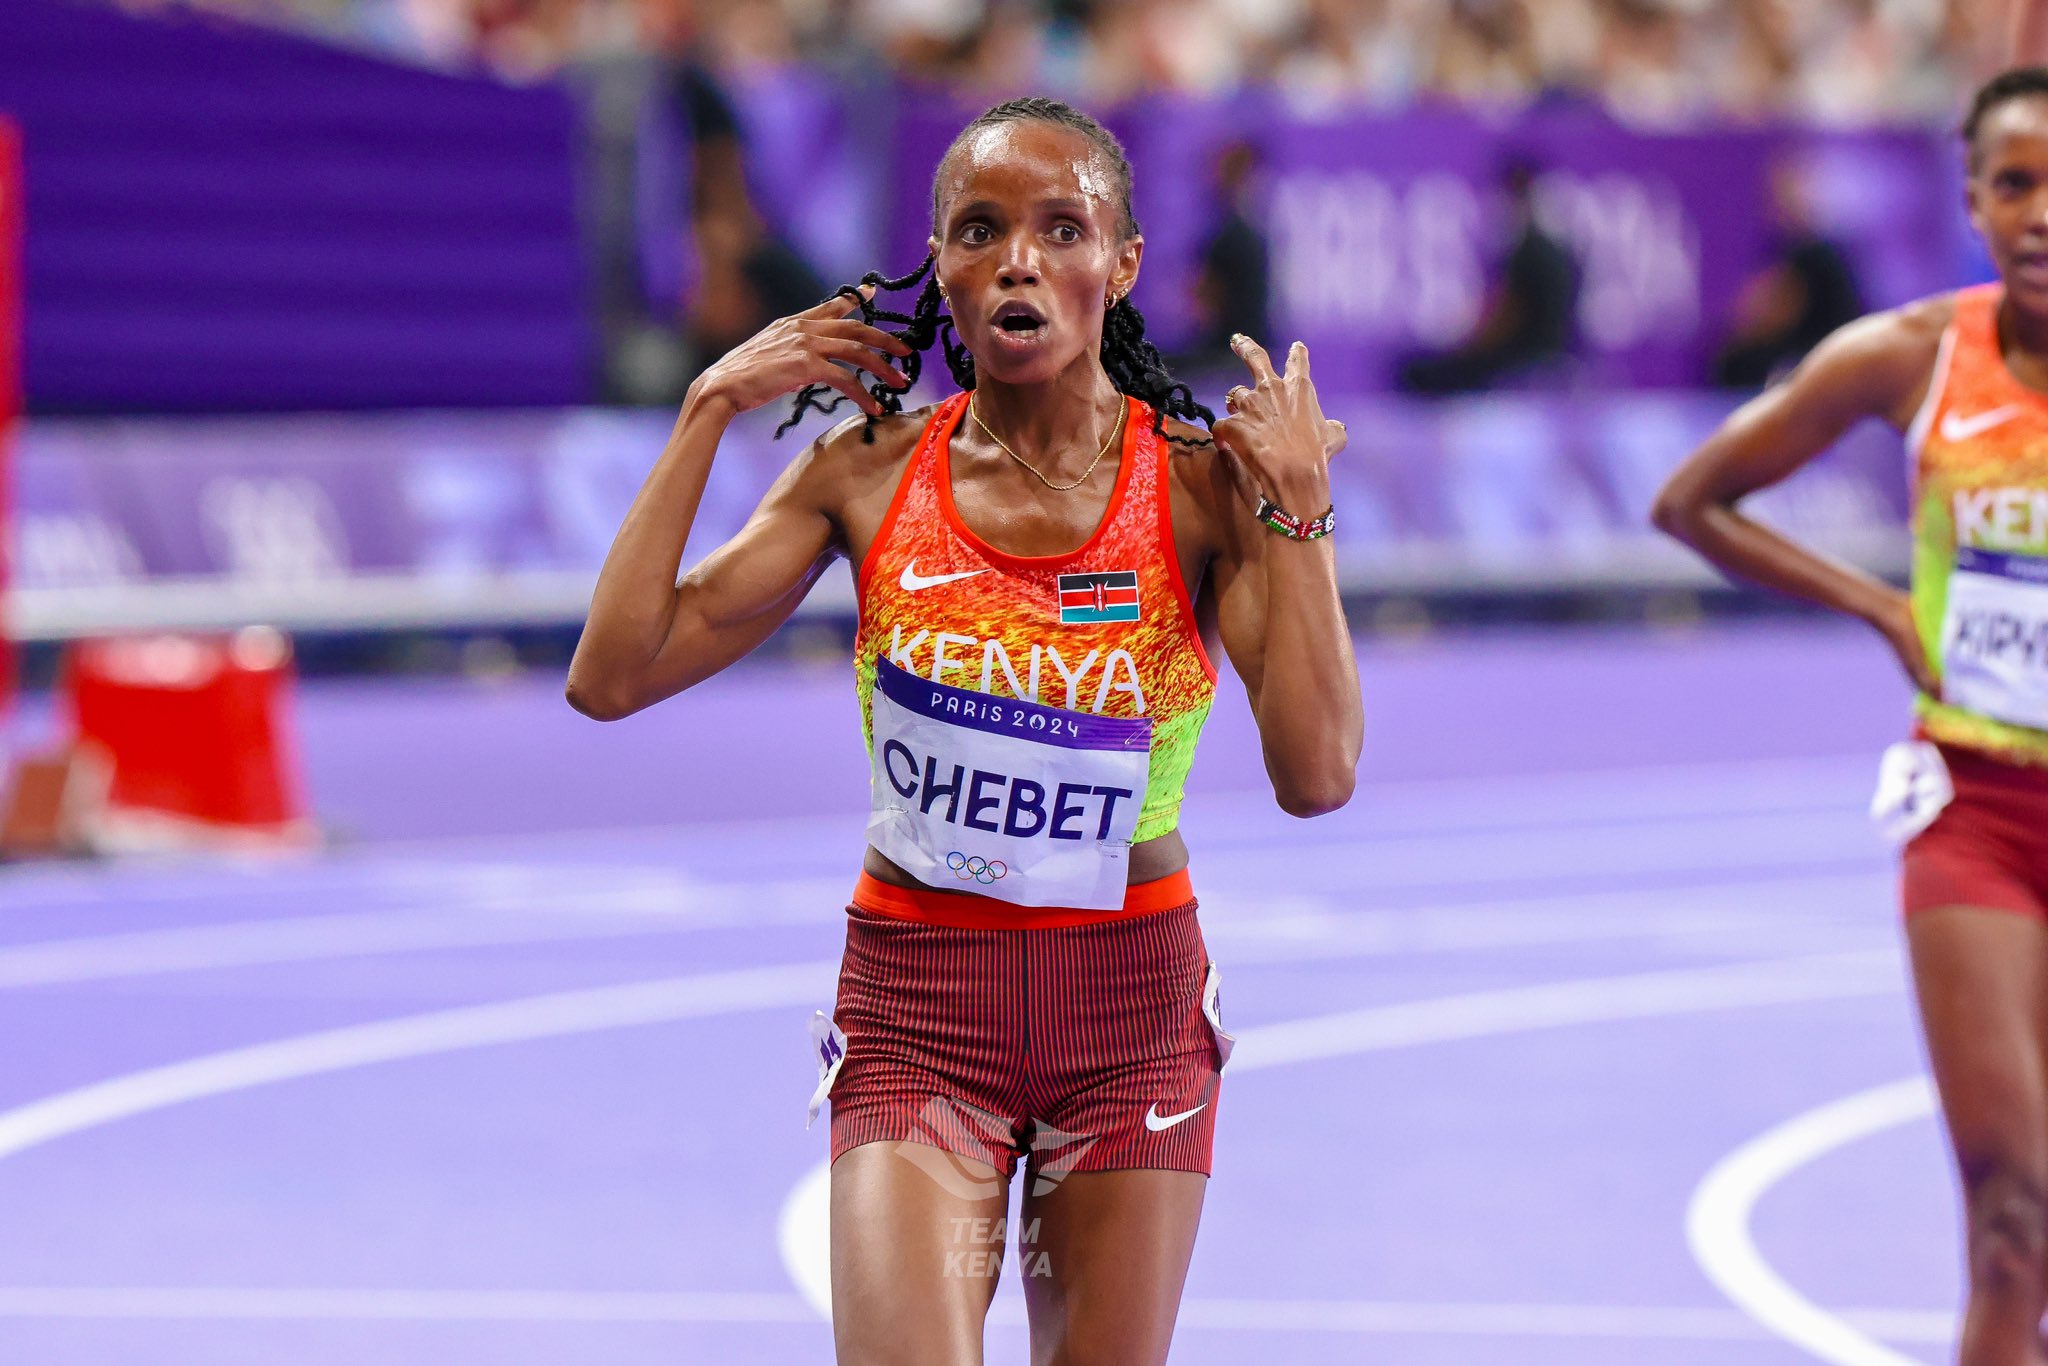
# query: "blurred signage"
(1385, 228)
(239, 220)
(377, 520)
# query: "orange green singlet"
(1028, 717)
(1980, 542)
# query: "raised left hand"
(1275, 433)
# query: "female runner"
(1038, 561)
(1965, 377)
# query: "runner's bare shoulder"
(847, 468)
(1195, 466)
(1884, 362)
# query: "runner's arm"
(1279, 615)
(649, 636)
(1875, 367)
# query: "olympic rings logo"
(981, 870)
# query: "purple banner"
(1384, 228)
(406, 519)
(223, 218)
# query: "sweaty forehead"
(1025, 162)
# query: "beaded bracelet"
(1291, 526)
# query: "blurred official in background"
(1527, 328)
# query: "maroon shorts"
(1989, 846)
(1076, 1047)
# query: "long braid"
(920, 328)
(1133, 364)
(1136, 368)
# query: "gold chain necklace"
(1123, 408)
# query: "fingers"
(1254, 356)
(849, 330)
(840, 305)
(862, 357)
(1235, 467)
(1336, 436)
(1297, 361)
(1236, 397)
(846, 382)
(1228, 435)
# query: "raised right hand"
(815, 346)
(1894, 621)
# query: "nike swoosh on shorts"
(1156, 1121)
(912, 580)
(1955, 428)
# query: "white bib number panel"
(1994, 637)
(1030, 804)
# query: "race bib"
(1212, 1010)
(1913, 787)
(1994, 639)
(1015, 800)
(828, 1043)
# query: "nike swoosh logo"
(1955, 428)
(912, 580)
(1156, 1121)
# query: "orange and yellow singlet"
(1980, 542)
(1029, 718)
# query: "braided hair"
(1134, 364)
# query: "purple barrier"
(223, 217)
(459, 518)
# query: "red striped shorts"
(1989, 846)
(1077, 1047)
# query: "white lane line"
(1717, 1223)
(1505, 1010)
(533, 1017)
(501, 1306)
(1278, 925)
(257, 943)
(1655, 1322)
(804, 1229)
(1535, 798)
(1838, 841)
(1506, 1320)
(1775, 913)
(1390, 810)
(803, 1237)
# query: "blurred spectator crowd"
(1654, 63)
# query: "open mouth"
(1019, 320)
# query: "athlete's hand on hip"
(823, 345)
(1275, 431)
(1894, 620)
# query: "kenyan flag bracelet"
(1291, 526)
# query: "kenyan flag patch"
(1108, 596)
